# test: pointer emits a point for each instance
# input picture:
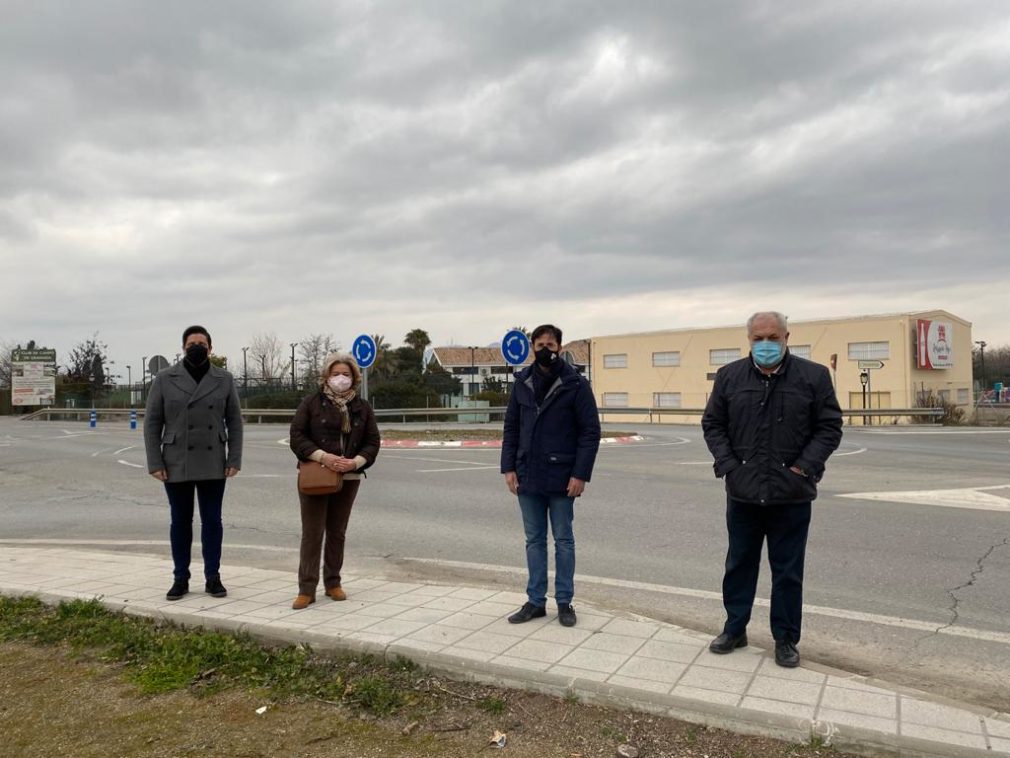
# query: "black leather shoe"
(787, 655)
(566, 614)
(179, 589)
(726, 643)
(527, 613)
(214, 588)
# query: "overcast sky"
(462, 167)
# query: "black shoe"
(566, 614)
(214, 587)
(527, 613)
(179, 589)
(727, 643)
(786, 655)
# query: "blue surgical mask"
(767, 353)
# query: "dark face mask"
(545, 357)
(196, 355)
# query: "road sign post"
(515, 348)
(866, 369)
(364, 352)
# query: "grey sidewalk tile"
(379, 610)
(493, 609)
(797, 710)
(473, 593)
(360, 584)
(771, 688)
(945, 736)
(561, 634)
(857, 683)
(998, 728)
(521, 631)
(716, 679)
(444, 635)
(395, 628)
(523, 664)
(592, 622)
(399, 588)
(433, 590)
(476, 655)
(746, 660)
(449, 603)
(576, 674)
(669, 651)
(275, 584)
(653, 669)
(427, 615)
(269, 612)
(680, 636)
(468, 620)
(708, 696)
(636, 683)
(374, 640)
(855, 701)
(508, 598)
(409, 647)
(594, 660)
(999, 746)
(373, 597)
(770, 668)
(410, 600)
(630, 628)
(487, 641)
(534, 650)
(335, 624)
(233, 608)
(915, 711)
(613, 643)
(859, 720)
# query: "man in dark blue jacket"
(771, 423)
(552, 434)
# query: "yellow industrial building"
(884, 361)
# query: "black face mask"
(196, 355)
(545, 357)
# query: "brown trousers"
(324, 515)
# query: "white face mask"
(339, 383)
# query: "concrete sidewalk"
(614, 659)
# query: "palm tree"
(417, 339)
(381, 365)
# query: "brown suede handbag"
(315, 479)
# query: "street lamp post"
(293, 345)
(245, 375)
(981, 351)
(473, 371)
(129, 382)
(143, 377)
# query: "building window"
(944, 396)
(666, 359)
(615, 399)
(723, 355)
(666, 400)
(617, 360)
(868, 351)
(962, 396)
(800, 351)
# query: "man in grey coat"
(193, 436)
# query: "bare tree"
(6, 347)
(313, 351)
(266, 356)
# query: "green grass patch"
(165, 657)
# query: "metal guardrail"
(273, 413)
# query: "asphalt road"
(910, 581)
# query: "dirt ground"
(56, 704)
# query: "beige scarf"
(341, 399)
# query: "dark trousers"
(785, 528)
(324, 516)
(180, 500)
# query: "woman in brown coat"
(336, 428)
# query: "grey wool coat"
(193, 431)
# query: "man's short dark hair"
(543, 329)
(196, 330)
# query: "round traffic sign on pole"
(515, 348)
(364, 351)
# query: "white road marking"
(694, 463)
(974, 498)
(936, 431)
(871, 618)
(457, 461)
(124, 449)
(849, 452)
(131, 465)
(640, 445)
(123, 543)
(475, 467)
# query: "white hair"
(779, 317)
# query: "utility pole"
(293, 345)
(981, 350)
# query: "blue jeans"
(180, 501)
(536, 509)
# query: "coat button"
(211, 427)
(209, 447)
(190, 447)
(191, 426)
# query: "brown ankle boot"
(302, 601)
(336, 593)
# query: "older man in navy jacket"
(552, 434)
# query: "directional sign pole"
(364, 384)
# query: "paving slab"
(612, 658)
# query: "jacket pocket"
(168, 438)
(558, 471)
(793, 487)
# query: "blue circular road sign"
(364, 351)
(515, 348)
